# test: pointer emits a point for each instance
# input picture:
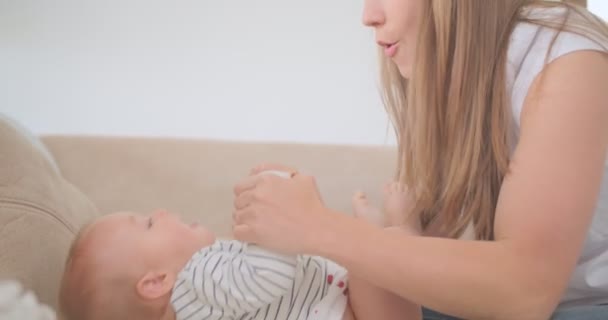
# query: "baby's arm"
(240, 278)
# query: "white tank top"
(526, 58)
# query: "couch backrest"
(196, 177)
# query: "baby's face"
(141, 243)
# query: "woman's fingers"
(276, 212)
(272, 167)
(252, 181)
(243, 232)
(244, 224)
(246, 184)
(244, 199)
(244, 216)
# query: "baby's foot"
(363, 209)
(397, 203)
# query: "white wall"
(231, 69)
(599, 7)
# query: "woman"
(501, 114)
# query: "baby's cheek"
(191, 239)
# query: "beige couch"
(41, 208)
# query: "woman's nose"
(373, 16)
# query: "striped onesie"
(233, 280)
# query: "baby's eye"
(149, 222)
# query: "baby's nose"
(160, 213)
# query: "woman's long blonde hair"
(453, 119)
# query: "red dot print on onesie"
(330, 279)
(341, 284)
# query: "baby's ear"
(154, 285)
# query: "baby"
(130, 266)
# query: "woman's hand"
(284, 214)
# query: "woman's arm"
(544, 210)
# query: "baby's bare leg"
(397, 206)
(370, 302)
(364, 210)
(348, 313)
(367, 301)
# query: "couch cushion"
(40, 213)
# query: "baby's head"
(124, 265)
